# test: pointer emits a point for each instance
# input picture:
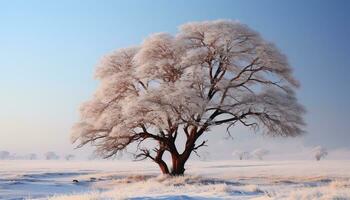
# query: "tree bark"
(163, 167)
(178, 165)
(178, 160)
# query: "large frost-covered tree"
(209, 74)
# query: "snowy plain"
(231, 179)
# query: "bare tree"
(242, 155)
(260, 153)
(51, 156)
(32, 156)
(4, 155)
(209, 74)
(320, 152)
(69, 157)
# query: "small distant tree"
(242, 155)
(69, 157)
(32, 156)
(92, 157)
(51, 156)
(213, 73)
(319, 152)
(260, 153)
(4, 155)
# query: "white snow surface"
(234, 179)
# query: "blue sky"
(48, 51)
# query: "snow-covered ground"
(234, 179)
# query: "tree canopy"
(210, 73)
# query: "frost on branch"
(208, 74)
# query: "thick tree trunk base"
(178, 168)
(175, 173)
(178, 164)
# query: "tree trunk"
(163, 167)
(179, 161)
(178, 167)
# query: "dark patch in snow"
(180, 197)
(53, 174)
(285, 182)
(218, 181)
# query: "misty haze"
(174, 100)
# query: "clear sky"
(48, 50)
